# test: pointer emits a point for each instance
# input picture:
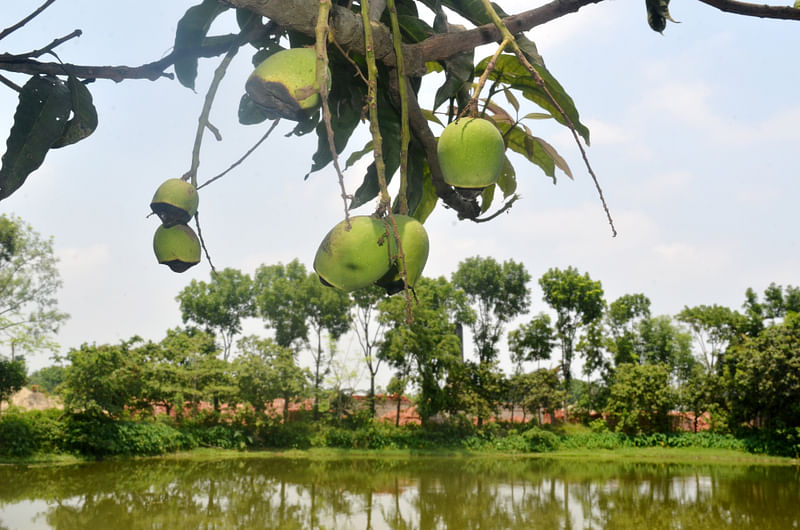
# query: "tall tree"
(369, 332)
(266, 371)
(29, 280)
(12, 377)
(578, 302)
(302, 311)
(533, 341)
(426, 348)
(765, 387)
(219, 305)
(713, 328)
(499, 293)
(640, 398)
(103, 379)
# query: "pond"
(398, 493)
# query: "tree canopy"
(29, 281)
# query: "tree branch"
(755, 10)
(25, 20)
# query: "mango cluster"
(175, 243)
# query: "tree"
(29, 280)
(266, 371)
(220, 305)
(533, 341)
(365, 303)
(302, 310)
(102, 379)
(713, 327)
(48, 378)
(12, 377)
(640, 399)
(183, 368)
(577, 301)
(498, 292)
(765, 388)
(426, 348)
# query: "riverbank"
(659, 455)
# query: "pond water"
(398, 493)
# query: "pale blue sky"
(694, 140)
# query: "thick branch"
(755, 10)
(348, 29)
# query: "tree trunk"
(372, 394)
(397, 416)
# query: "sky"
(693, 139)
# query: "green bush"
(24, 433)
(540, 441)
(101, 436)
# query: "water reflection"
(398, 493)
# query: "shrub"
(23, 434)
(540, 441)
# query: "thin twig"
(242, 159)
(322, 81)
(202, 121)
(25, 20)
(505, 208)
(473, 104)
(203, 242)
(10, 84)
(53, 45)
(540, 82)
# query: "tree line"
(740, 366)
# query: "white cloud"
(81, 262)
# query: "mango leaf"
(511, 72)
(416, 174)
(40, 119)
(528, 146)
(251, 113)
(358, 155)
(537, 116)
(84, 115)
(413, 29)
(558, 160)
(458, 74)
(191, 33)
(507, 181)
(487, 195)
(512, 100)
(430, 116)
(428, 200)
(346, 100)
(658, 14)
(389, 125)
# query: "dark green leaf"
(413, 29)
(358, 155)
(417, 172)
(251, 112)
(459, 74)
(658, 14)
(507, 182)
(389, 124)
(346, 100)
(428, 200)
(40, 119)
(512, 73)
(84, 115)
(191, 32)
(487, 195)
